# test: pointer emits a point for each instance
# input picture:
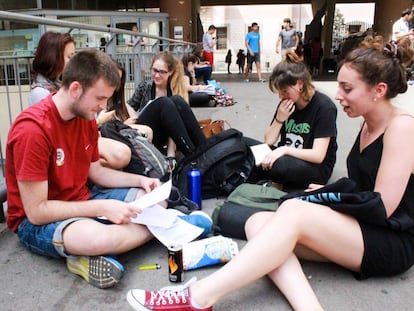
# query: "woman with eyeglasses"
(162, 104)
(303, 129)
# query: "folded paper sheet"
(259, 152)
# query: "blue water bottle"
(194, 184)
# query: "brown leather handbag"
(210, 127)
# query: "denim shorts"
(253, 59)
(47, 239)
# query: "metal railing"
(15, 68)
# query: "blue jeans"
(47, 239)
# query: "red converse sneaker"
(168, 298)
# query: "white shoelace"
(171, 294)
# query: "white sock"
(194, 304)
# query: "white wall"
(270, 19)
(238, 18)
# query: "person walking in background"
(228, 60)
(287, 39)
(252, 43)
(401, 28)
(208, 45)
(241, 60)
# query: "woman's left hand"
(271, 157)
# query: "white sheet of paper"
(155, 215)
(209, 89)
(157, 195)
(259, 152)
(180, 233)
(164, 224)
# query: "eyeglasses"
(158, 71)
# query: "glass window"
(221, 33)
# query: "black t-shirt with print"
(316, 120)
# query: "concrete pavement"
(30, 282)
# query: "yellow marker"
(149, 266)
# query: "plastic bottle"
(194, 184)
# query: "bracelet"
(278, 121)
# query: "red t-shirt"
(41, 146)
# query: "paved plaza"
(30, 282)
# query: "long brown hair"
(117, 101)
(49, 57)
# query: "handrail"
(11, 16)
(136, 62)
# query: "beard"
(79, 109)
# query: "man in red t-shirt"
(51, 154)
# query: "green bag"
(254, 195)
(247, 199)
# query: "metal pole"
(5, 15)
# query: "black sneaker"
(180, 202)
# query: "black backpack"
(146, 159)
(225, 162)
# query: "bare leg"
(289, 277)
(259, 71)
(333, 235)
(113, 153)
(91, 238)
(246, 74)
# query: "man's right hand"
(119, 212)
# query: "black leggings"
(172, 117)
(294, 173)
(201, 99)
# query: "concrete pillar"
(386, 13)
(182, 13)
(328, 27)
